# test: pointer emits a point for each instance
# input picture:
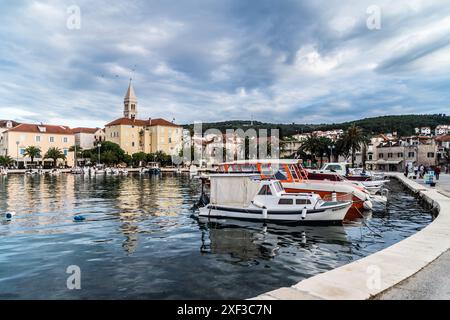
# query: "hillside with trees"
(402, 124)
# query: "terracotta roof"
(26, 127)
(444, 138)
(85, 130)
(137, 122)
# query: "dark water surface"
(140, 240)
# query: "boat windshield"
(277, 186)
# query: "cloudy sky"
(204, 60)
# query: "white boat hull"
(330, 215)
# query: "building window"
(65, 139)
(400, 155)
(66, 152)
(38, 139)
(389, 155)
(381, 155)
(22, 151)
(170, 140)
(411, 154)
(51, 139)
(430, 154)
(370, 156)
(132, 144)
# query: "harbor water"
(139, 239)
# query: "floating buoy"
(9, 215)
(79, 218)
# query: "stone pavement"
(433, 281)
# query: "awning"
(382, 161)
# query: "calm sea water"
(140, 240)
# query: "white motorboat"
(295, 179)
(193, 170)
(77, 170)
(243, 196)
(54, 172)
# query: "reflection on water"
(140, 240)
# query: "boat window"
(265, 191)
(281, 173)
(286, 201)
(303, 201)
(334, 167)
(248, 168)
(266, 169)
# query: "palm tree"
(54, 154)
(6, 161)
(309, 145)
(32, 152)
(352, 141)
(324, 148)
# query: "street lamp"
(17, 162)
(99, 146)
(331, 151)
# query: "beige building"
(4, 126)
(134, 135)
(17, 139)
(87, 138)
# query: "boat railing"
(338, 197)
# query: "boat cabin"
(284, 170)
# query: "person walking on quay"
(437, 172)
(422, 171)
(416, 170)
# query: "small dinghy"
(244, 196)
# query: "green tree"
(324, 145)
(109, 157)
(139, 157)
(6, 161)
(353, 140)
(32, 152)
(309, 145)
(54, 154)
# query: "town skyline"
(292, 61)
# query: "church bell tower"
(130, 103)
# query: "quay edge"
(370, 276)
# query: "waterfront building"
(442, 129)
(151, 135)
(87, 138)
(394, 155)
(5, 125)
(44, 136)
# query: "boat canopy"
(234, 189)
(285, 170)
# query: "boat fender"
(9, 215)
(264, 212)
(334, 197)
(258, 204)
(79, 218)
(304, 213)
(368, 205)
